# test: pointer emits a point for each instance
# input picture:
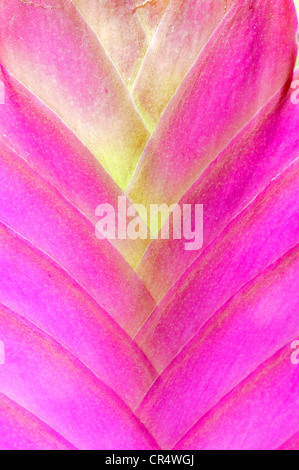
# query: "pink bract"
(141, 344)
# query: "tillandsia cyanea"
(142, 344)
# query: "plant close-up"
(149, 225)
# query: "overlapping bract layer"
(170, 101)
